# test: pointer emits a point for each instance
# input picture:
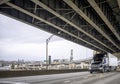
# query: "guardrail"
(4, 74)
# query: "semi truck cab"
(103, 62)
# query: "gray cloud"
(14, 31)
(22, 41)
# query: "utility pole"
(71, 57)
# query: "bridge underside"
(92, 23)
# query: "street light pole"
(46, 54)
(47, 41)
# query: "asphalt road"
(67, 78)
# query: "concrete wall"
(34, 72)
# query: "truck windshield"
(98, 58)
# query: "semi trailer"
(103, 62)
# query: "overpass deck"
(92, 23)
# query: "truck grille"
(94, 66)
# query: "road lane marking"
(67, 81)
(10, 82)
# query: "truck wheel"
(103, 70)
(91, 72)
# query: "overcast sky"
(21, 41)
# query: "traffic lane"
(115, 79)
(63, 80)
(102, 78)
(69, 78)
(87, 79)
(41, 78)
